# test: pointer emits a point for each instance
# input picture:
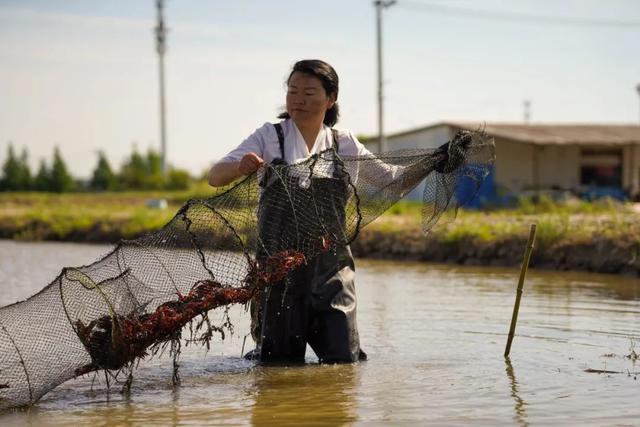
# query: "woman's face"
(307, 101)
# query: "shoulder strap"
(280, 133)
(338, 172)
(335, 139)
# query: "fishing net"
(213, 253)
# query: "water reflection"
(520, 414)
(305, 395)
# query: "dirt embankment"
(601, 254)
(597, 251)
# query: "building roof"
(545, 134)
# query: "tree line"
(138, 172)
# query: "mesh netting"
(213, 253)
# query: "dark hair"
(329, 79)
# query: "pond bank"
(456, 243)
(603, 238)
(619, 255)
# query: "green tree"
(154, 179)
(103, 177)
(134, 172)
(178, 179)
(24, 172)
(42, 181)
(154, 162)
(61, 180)
(11, 172)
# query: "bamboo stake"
(523, 273)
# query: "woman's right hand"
(250, 163)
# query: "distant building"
(585, 159)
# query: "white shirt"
(264, 142)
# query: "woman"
(318, 306)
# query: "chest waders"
(316, 303)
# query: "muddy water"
(435, 337)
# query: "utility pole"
(161, 47)
(379, 5)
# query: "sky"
(83, 74)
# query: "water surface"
(435, 336)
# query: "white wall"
(559, 166)
(514, 166)
(428, 138)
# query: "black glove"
(451, 155)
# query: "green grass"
(112, 215)
(176, 197)
(406, 208)
(571, 221)
(37, 216)
(546, 205)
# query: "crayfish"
(114, 341)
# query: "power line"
(516, 16)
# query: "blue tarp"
(486, 194)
